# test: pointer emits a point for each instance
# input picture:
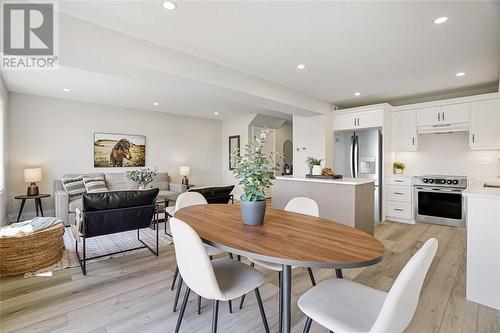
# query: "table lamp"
(185, 171)
(32, 175)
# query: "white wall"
(449, 154)
(230, 127)
(310, 135)
(3, 151)
(57, 135)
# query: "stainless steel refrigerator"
(358, 154)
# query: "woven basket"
(29, 253)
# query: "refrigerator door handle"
(351, 157)
(356, 156)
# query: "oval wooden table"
(285, 238)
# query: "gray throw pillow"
(73, 186)
(95, 185)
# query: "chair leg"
(242, 301)
(175, 277)
(230, 304)
(177, 293)
(311, 276)
(215, 316)
(307, 326)
(238, 257)
(199, 304)
(261, 308)
(339, 274)
(183, 308)
(280, 302)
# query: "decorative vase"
(253, 212)
(316, 170)
(398, 171)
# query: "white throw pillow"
(73, 186)
(95, 185)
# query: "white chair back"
(303, 205)
(402, 300)
(187, 199)
(193, 261)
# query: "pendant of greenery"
(254, 170)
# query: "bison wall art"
(119, 150)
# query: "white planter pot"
(316, 170)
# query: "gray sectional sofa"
(66, 205)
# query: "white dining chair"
(344, 306)
(300, 205)
(220, 279)
(188, 199)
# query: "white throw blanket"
(29, 226)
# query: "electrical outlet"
(485, 161)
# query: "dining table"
(285, 238)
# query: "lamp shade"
(185, 171)
(32, 175)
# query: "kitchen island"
(349, 201)
(483, 244)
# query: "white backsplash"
(449, 154)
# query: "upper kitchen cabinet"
(404, 131)
(440, 116)
(360, 118)
(484, 130)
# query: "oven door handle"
(449, 190)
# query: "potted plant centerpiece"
(314, 165)
(255, 171)
(142, 177)
(398, 167)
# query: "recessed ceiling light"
(357, 94)
(156, 103)
(169, 5)
(67, 89)
(440, 20)
(301, 66)
(216, 113)
(460, 74)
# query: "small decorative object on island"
(142, 177)
(185, 171)
(314, 165)
(398, 167)
(255, 172)
(32, 175)
(327, 172)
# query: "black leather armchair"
(117, 211)
(216, 194)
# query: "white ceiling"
(241, 57)
(384, 49)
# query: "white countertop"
(476, 189)
(343, 181)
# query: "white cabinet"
(485, 124)
(404, 131)
(455, 113)
(345, 121)
(399, 199)
(358, 120)
(442, 115)
(429, 116)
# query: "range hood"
(443, 128)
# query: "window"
(2, 145)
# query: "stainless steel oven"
(439, 200)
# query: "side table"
(38, 203)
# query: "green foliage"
(142, 176)
(254, 169)
(311, 161)
(398, 165)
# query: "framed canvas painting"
(119, 150)
(234, 145)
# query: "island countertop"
(476, 189)
(342, 181)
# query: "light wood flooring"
(132, 293)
